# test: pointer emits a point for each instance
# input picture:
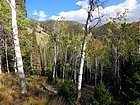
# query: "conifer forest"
(64, 62)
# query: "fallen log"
(50, 89)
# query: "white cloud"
(134, 14)
(41, 14)
(35, 12)
(83, 4)
(75, 15)
(127, 4)
(81, 14)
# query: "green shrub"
(68, 91)
(131, 80)
(49, 75)
(137, 102)
(101, 96)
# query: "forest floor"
(39, 91)
(87, 92)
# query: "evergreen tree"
(101, 96)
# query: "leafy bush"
(137, 102)
(68, 91)
(101, 96)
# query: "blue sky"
(51, 7)
(73, 9)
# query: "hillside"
(41, 28)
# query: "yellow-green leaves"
(5, 16)
(23, 23)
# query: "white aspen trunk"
(55, 60)
(87, 27)
(117, 67)
(139, 49)
(6, 56)
(81, 67)
(45, 63)
(96, 69)
(115, 74)
(17, 47)
(118, 75)
(83, 57)
(64, 67)
(15, 67)
(102, 65)
(75, 69)
(0, 65)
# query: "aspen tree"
(18, 56)
(93, 4)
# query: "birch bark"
(83, 57)
(55, 59)
(6, 56)
(65, 61)
(12, 3)
(92, 5)
(96, 69)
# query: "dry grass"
(10, 91)
(5, 98)
(35, 101)
(57, 101)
